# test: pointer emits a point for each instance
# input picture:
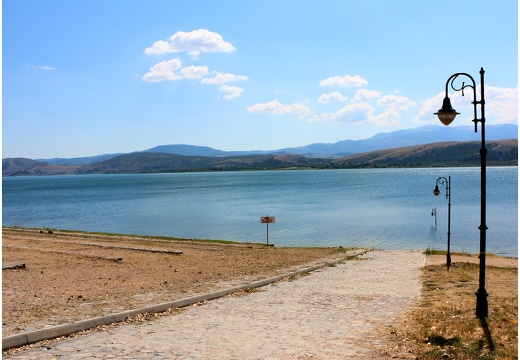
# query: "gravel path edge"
(50, 333)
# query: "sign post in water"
(267, 220)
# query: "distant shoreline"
(437, 256)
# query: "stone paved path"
(324, 315)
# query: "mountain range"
(409, 137)
(373, 152)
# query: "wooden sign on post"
(267, 220)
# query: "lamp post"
(442, 180)
(446, 115)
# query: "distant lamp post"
(442, 180)
(446, 115)
(434, 213)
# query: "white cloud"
(232, 91)
(194, 54)
(194, 72)
(360, 112)
(501, 106)
(43, 67)
(353, 113)
(366, 95)
(173, 70)
(274, 107)
(221, 78)
(322, 117)
(333, 96)
(193, 42)
(165, 70)
(365, 107)
(396, 102)
(344, 81)
(428, 107)
(389, 117)
(158, 47)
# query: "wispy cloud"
(194, 72)
(221, 78)
(231, 91)
(352, 113)
(172, 70)
(361, 113)
(366, 106)
(275, 107)
(344, 81)
(396, 102)
(42, 67)
(366, 95)
(501, 106)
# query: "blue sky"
(83, 78)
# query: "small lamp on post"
(446, 115)
(442, 180)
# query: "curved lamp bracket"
(451, 82)
(446, 110)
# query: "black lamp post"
(446, 115)
(442, 180)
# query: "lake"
(382, 208)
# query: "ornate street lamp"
(442, 180)
(446, 115)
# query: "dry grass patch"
(60, 284)
(443, 325)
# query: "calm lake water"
(382, 208)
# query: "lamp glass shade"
(436, 191)
(446, 114)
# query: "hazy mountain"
(187, 150)
(421, 135)
(81, 160)
(194, 150)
